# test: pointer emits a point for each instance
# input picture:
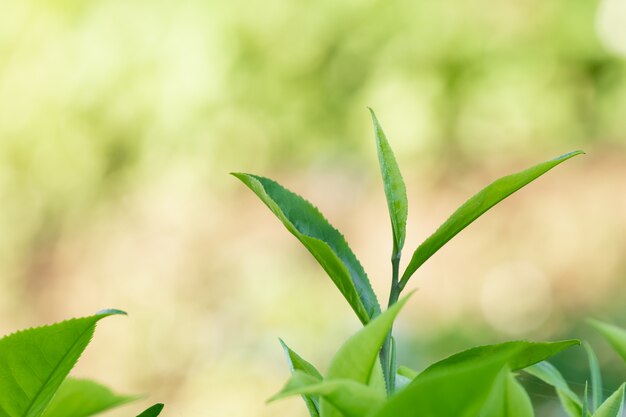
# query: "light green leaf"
(585, 408)
(34, 363)
(83, 398)
(395, 190)
(356, 358)
(613, 406)
(475, 207)
(153, 411)
(525, 353)
(596, 377)
(296, 363)
(546, 372)
(407, 372)
(349, 398)
(324, 242)
(616, 336)
(457, 390)
(508, 399)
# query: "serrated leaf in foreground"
(84, 398)
(476, 207)
(34, 363)
(323, 241)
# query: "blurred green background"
(120, 120)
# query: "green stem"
(387, 353)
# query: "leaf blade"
(153, 411)
(546, 372)
(34, 363)
(322, 240)
(395, 190)
(613, 406)
(616, 336)
(297, 363)
(475, 207)
(84, 398)
(348, 397)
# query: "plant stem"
(387, 353)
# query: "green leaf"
(407, 372)
(153, 411)
(34, 363)
(348, 397)
(596, 377)
(356, 358)
(508, 399)
(324, 242)
(585, 408)
(616, 336)
(83, 398)
(613, 406)
(525, 353)
(546, 372)
(395, 189)
(475, 207)
(296, 363)
(459, 389)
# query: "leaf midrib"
(54, 370)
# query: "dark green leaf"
(296, 363)
(34, 363)
(83, 398)
(324, 242)
(475, 207)
(153, 411)
(395, 190)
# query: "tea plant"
(363, 379)
(34, 368)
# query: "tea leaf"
(458, 390)
(395, 190)
(524, 353)
(613, 406)
(153, 411)
(324, 242)
(83, 398)
(616, 336)
(34, 363)
(596, 377)
(475, 207)
(296, 363)
(585, 408)
(356, 358)
(349, 398)
(508, 399)
(546, 372)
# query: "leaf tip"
(111, 312)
